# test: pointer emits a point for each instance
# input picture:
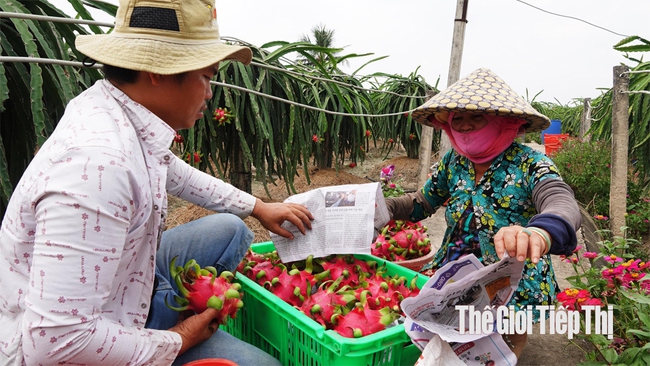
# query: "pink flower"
(572, 260)
(387, 172)
(645, 286)
(573, 299)
(590, 255)
(631, 265)
(613, 259)
(632, 277)
(601, 217)
(610, 273)
(588, 301)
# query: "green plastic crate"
(293, 338)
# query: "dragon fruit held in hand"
(401, 240)
(202, 288)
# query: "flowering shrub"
(388, 186)
(586, 168)
(615, 278)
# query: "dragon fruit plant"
(401, 240)
(201, 288)
(340, 292)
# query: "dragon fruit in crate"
(201, 288)
(401, 240)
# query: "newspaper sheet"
(462, 282)
(489, 350)
(432, 313)
(345, 218)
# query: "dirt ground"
(541, 349)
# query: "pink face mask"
(484, 145)
(474, 143)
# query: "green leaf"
(610, 355)
(627, 357)
(642, 299)
(624, 47)
(643, 335)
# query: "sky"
(535, 52)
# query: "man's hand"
(273, 215)
(196, 328)
(521, 243)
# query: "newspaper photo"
(345, 218)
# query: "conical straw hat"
(482, 91)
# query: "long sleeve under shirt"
(79, 237)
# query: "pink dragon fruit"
(222, 116)
(350, 268)
(264, 271)
(401, 240)
(324, 303)
(202, 288)
(362, 320)
(340, 292)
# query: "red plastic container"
(553, 142)
(211, 362)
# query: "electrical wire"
(47, 18)
(265, 66)
(305, 105)
(96, 65)
(636, 92)
(232, 39)
(572, 17)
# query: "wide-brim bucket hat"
(163, 37)
(482, 91)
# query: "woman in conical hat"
(501, 196)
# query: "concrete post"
(620, 120)
(456, 58)
(585, 120)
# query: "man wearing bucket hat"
(500, 196)
(86, 263)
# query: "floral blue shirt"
(502, 197)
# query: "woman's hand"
(522, 243)
(195, 329)
(273, 215)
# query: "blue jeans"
(219, 240)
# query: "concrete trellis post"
(620, 120)
(424, 161)
(456, 57)
(585, 120)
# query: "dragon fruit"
(324, 303)
(222, 116)
(362, 320)
(202, 288)
(340, 292)
(401, 240)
